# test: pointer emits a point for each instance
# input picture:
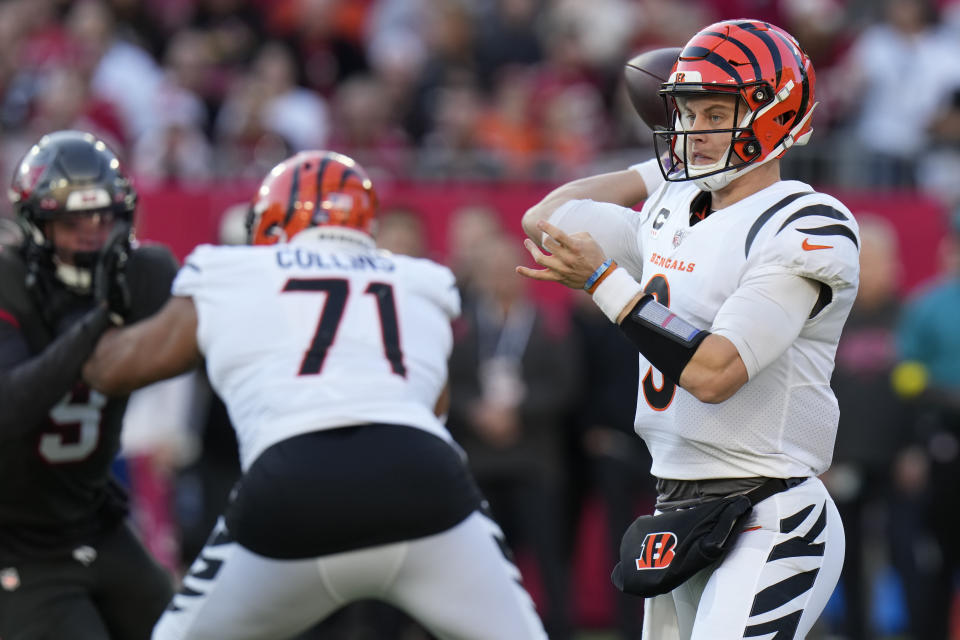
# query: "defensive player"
(69, 566)
(734, 285)
(331, 357)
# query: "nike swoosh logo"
(806, 246)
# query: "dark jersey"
(56, 490)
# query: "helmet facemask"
(673, 145)
(76, 271)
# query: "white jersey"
(323, 332)
(783, 421)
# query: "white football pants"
(458, 584)
(774, 582)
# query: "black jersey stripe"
(833, 230)
(814, 210)
(780, 593)
(765, 217)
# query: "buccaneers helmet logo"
(657, 551)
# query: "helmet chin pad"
(78, 279)
(76, 275)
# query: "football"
(643, 75)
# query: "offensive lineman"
(734, 286)
(331, 357)
(70, 568)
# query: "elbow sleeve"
(665, 339)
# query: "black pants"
(117, 595)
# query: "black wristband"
(663, 338)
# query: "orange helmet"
(767, 69)
(311, 189)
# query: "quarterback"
(331, 357)
(734, 286)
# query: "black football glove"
(110, 285)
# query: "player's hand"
(497, 425)
(110, 286)
(571, 260)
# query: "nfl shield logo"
(677, 238)
(9, 579)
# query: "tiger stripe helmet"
(763, 65)
(311, 189)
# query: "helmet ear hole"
(785, 117)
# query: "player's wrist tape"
(614, 291)
(599, 275)
(649, 170)
(663, 338)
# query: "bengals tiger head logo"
(657, 551)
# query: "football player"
(734, 285)
(331, 357)
(69, 565)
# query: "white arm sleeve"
(764, 316)
(649, 170)
(615, 228)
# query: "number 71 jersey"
(319, 334)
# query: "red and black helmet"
(70, 172)
(311, 189)
(67, 173)
(766, 68)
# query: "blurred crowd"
(196, 90)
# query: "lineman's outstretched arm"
(161, 346)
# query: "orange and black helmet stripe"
(313, 188)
